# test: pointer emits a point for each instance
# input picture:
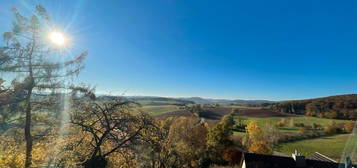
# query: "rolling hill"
(339, 106)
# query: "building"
(253, 160)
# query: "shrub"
(331, 114)
(303, 130)
(232, 156)
(281, 123)
(285, 123)
(316, 126)
(331, 128)
(299, 125)
(260, 147)
(291, 122)
(348, 126)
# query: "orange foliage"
(260, 147)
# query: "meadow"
(160, 109)
(263, 121)
(331, 146)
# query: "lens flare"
(57, 38)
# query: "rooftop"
(272, 161)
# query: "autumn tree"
(255, 141)
(239, 120)
(30, 59)
(271, 134)
(156, 149)
(232, 156)
(188, 137)
(340, 106)
(349, 126)
(331, 128)
(173, 142)
(218, 137)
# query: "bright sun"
(57, 38)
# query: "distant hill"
(339, 106)
(154, 100)
(199, 100)
(149, 100)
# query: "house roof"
(273, 161)
(268, 161)
(321, 157)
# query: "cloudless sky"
(247, 49)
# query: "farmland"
(336, 143)
(261, 116)
(331, 146)
(262, 121)
(157, 110)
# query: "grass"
(157, 110)
(238, 133)
(300, 119)
(240, 106)
(262, 121)
(332, 146)
(158, 102)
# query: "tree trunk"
(28, 136)
(96, 162)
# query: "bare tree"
(29, 58)
(111, 126)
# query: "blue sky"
(254, 49)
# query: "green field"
(158, 102)
(157, 110)
(301, 119)
(332, 146)
(262, 121)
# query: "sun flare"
(57, 38)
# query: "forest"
(338, 107)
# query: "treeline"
(148, 100)
(338, 107)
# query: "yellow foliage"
(349, 126)
(260, 147)
(254, 131)
(10, 153)
(122, 159)
(11, 157)
(187, 134)
(255, 141)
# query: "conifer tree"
(28, 57)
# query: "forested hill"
(340, 106)
(148, 100)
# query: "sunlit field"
(157, 110)
(331, 146)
